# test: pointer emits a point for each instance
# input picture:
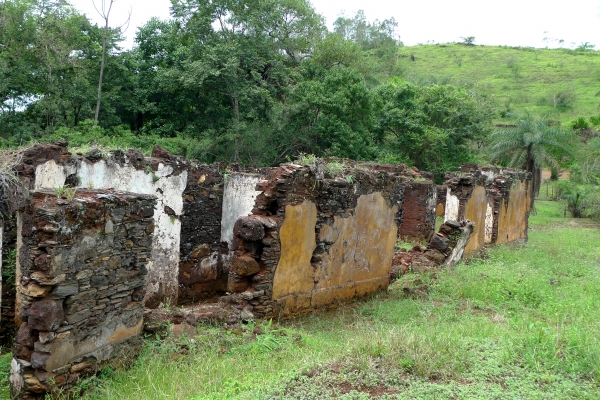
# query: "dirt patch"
(546, 174)
(331, 380)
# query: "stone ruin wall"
(257, 243)
(440, 207)
(8, 244)
(418, 219)
(312, 242)
(81, 273)
(496, 200)
(159, 175)
(196, 255)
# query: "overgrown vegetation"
(521, 322)
(228, 81)
(9, 267)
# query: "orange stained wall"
(294, 272)
(512, 217)
(357, 263)
(475, 210)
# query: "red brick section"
(418, 211)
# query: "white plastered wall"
(452, 204)
(163, 269)
(489, 222)
(239, 196)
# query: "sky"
(506, 22)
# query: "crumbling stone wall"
(8, 243)
(494, 199)
(440, 208)
(51, 166)
(80, 279)
(218, 228)
(511, 206)
(202, 273)
(315, 239)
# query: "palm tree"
(531, 144)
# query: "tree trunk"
(236, 112)
(102, 63)
(536, 179)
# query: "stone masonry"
(229, 243)
(496, 200)
(315, 239)
(81, 281)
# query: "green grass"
(541, 74)
(4, 369)
(523, 322)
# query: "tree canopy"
(255, 82)
(532, 144)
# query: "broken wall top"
(498, 181)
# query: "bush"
(86, 135)
(579, 124)
(595, 120)
(581, 200)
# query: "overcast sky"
(505, 22)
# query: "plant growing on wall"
(9, 267)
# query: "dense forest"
(254, 82)
(260, 82)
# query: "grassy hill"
(562, 82)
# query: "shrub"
(579, 124)
(595, 120)
(581, 200)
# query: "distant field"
(559, 81)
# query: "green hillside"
(559, 81)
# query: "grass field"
(518, 78)
(522, 322)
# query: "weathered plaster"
(363, 244)
(490, 174)
(358, 262)
(513, 215)
(294, 273)
(362, 250)
(489, 222)
(452, 205)
(459, 249)
(50, 175)
(168, 188)
(476, 210)
(65, 351)
(239, 197)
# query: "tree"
(330, 113)
(218, 70)
(433, 127)
(532, 144)
(468, 41)
(48, 61)
(104, 12)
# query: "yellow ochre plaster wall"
(357, 263)
(512, 218)
(475, 210)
